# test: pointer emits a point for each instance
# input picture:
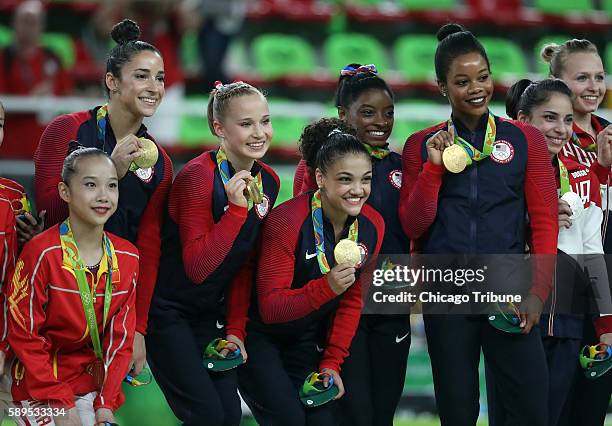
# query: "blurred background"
(293, 49)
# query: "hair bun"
(73, 146)
(449, 29)
(548, 52)
(125, 31)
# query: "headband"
(363, 69)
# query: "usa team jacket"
(582, 238)
(47, 327)
(293, 295)
(209, 243)
(483, 208)
(384, 197)
(8, 257)
(142, 196)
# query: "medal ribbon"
(589, 148)
(317, 224)
(224, 170)
(563, 178)
(473, 153)
(73, 260)
(101, 119)
(377, 152)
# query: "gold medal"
(347, 251)
(148, 154)
(454, 158)
(252, 191)
(97, 369)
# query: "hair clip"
(218, 85)
(364, 69)
(335, 131)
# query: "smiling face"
(246, 128)
(584, 74)
(92, 191)
(372, 115)
(345, 185)
(468, 86)
(141, 87)
(554, 119)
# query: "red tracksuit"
(8, 256)
(48, 331)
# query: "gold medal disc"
(252, 191)
(347, 251)
(454, 158)
(148, 154)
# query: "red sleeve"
(309, 182)
(149, 244)
(204, 244)
(48, 162)
(420, 187)
(8, 252)
(27, 299)
(346, 317)
(541, 198)
(603, 325)
(278, 302)
(298, 178)
(241, 289)
(117, 347)
(239, 299)
(602, 173)
(595, 194)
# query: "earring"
(444, 94)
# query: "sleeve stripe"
(40, 258)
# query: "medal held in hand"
(454, 158)
(347, 251)
(252, 191)
(148, 154)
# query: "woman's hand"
(337, 381)
(530, 311)
(234, 188)
(564, 214)
(29, 226)
(604, 146)
(341, 277)
(126, 151)
(104, 415)
(234, 343)
(139, 354)
(436, 144)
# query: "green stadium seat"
(6, 36)
(402, 129)
(542, 67)
(62, 45)
(279, 55)
(427, 4)
(345, 48)
(414, 56)
(563, 7)
(193, 129)
(607, 6)
(189, 52)
(287, 131)
(507, 59)
(370, 3)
